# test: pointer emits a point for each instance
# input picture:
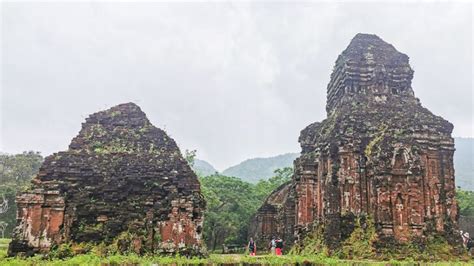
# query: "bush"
(61, 252)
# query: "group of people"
(275, 246)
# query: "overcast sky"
(233, 81)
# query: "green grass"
(3, 248)
(4, 241)
(214, 259)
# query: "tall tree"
(190, 156)
(19, 168)
(465, 199)
(16, 172)
(230, 205)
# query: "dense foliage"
(231, 203)
(16, 171)
(466, 202)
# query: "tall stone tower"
(379, 153)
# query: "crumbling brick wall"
(123, 181)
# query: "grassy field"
(4, 243)
(214, 259)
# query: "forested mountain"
(253, 170)
(464, 163)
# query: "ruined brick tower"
(379, 153)
(122, 182)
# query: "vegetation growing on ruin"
(312, 244)
(434, 248)
(360, 242)
(364, 244)
(377, 138)
(104, 140)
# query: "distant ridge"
(253, 170)
(203, 168)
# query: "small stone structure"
(122, 181)
(275, 217)
(379, 153)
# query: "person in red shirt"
(279, 247)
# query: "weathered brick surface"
(120, 178)
(379, 152)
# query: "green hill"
(203, 168)
(252, 170)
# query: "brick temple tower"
(379, 153)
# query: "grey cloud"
(231, 80)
